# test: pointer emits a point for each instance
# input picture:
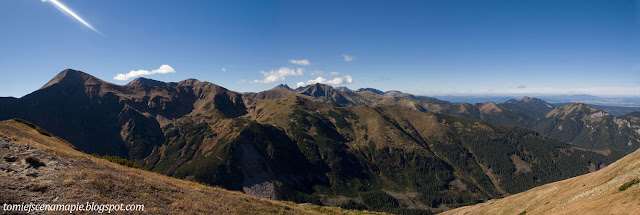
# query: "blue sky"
(421, 47)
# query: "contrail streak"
(73, 14)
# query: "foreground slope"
(607, 191)
(68, 176)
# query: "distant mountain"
(280, 91)
(595, 100)
(343, 96)
(395, 93)
(145, 81)
(379, 92)
(616, 110)
(327, 93)
(630, 101)
(527, 112)
(531, 106)
(576, 123)
(343, 89)
(612, 190)
(315, 144)
(635, 114)
(476, 99)
(589, 127)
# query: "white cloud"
(223, 69)
(303, 62)
(336, 81)
(334, 73)
(348, 58)
(164, 69)
(278, 75)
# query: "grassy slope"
(71, 176)
(593, 193)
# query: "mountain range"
(623, 102)
(363, 149)
(587, 126)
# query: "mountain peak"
(315, 87)
(373, 90)
(146, 81)
(397, 93)
(72, 76)
(343, 89)
(320, 85)
(530, 99)
(189, 82)
(324, 91)
(282, 86)
(512, 101)
(576, 108)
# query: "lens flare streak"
(65, 9)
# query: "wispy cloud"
(303, 62)
(223, 69)
(70, 12)
(320, 80)
(279, 75)
(164, 69)
(348, 58)
(334, 73)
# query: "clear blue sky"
(421, 47)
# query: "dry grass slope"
(70, 176)
(594, 193)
